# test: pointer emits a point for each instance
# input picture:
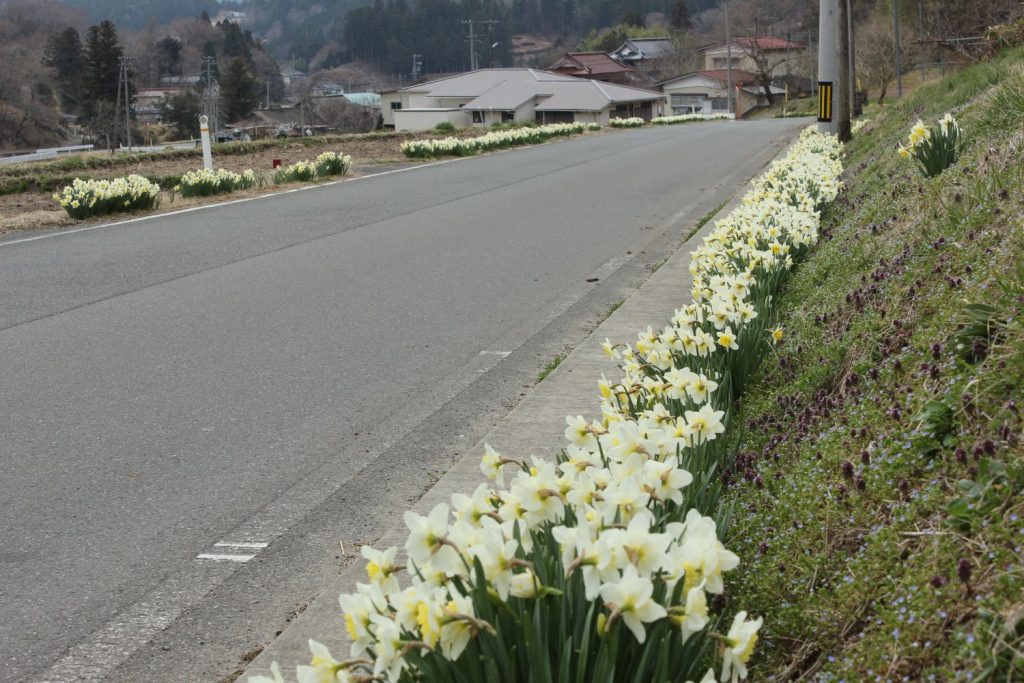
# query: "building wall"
(387, 100)
(741, 59)
(425, 119)
(713, 99)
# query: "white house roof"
(507, 89)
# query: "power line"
(473, 38)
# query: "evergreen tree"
(64, 55)
(168, 57)
(182, 112)
(236, 43)
(102, 66)
(680, 19)
(237, 90)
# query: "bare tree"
(876, 54)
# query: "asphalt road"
(292, 371)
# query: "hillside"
(879, 482)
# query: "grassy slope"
(885, 545)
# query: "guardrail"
(45, 153)
(38, 156)
(191, 144)
(67, 150)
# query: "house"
(776, 57)
(600, 66)
(148, 102)
(706, 92)
(488, 96)
(655, 56)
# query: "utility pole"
(899, 48)
(728, 60)
(127, 103)
(827, 68)
(112, 140)
(473, 63)
(844, 87)
(211, 95)
(852, 66)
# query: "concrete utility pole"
(899, 48)
(473, 62)
(127, 104)
(211, 93)
(851, 48)
(728, 60)
(827, 69)
(844, 86)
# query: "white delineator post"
(204, 134)
(828, 121)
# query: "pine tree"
(238, 90)
(182, 112)
(64, 55)
(168, 57)
(680, 19)
(102, 66)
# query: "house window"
(720, 62)
(683, 101)
(478, 117)
(719, 104)
(508, 116)
(396, 105)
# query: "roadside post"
(204, 133)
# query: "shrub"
(332, 164)
(445, 127)
(203, 183)
(85, 198)
(934, 149)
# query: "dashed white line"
(240, 544)
(224, 558)
(503, 354)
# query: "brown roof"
(592, 63)
(739, 77)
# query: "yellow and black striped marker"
(825, 101)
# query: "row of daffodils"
(85, 198)
(499, 139)
(605, 564)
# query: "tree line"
(86, 74)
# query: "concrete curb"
(534, 427)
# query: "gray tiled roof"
(507, 89)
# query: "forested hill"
(389, 32)
(135, 14)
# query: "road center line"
(224, 558)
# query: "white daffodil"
(740, 642)
(630, 599)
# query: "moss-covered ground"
(878, 490)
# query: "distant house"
(600, 66)
(291, 75)
(706, 92)
(488, 96)
(775, 57)
(148, 102)
(655, 56)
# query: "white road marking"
(239, 544)
(503, 354)
(224, 558)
